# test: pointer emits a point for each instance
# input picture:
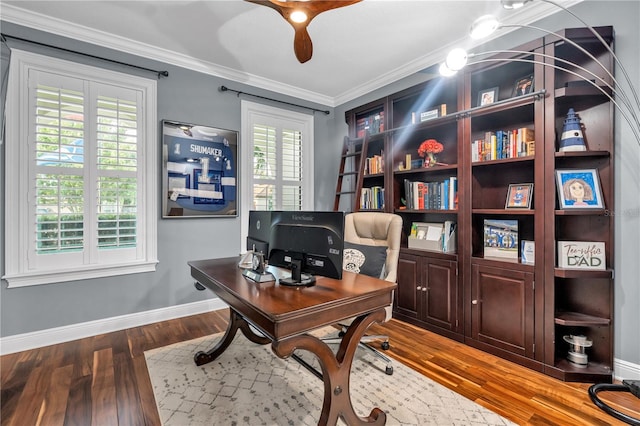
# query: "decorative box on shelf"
(439, 236)
(588, 255)
(429, 114)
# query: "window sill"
(31, 279)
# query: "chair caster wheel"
(341, 333)
(385, 346)
(389, 370)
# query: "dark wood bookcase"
(518, 311)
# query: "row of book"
(372, 198)
(374, 165)
(503, 144)
(372, 124)
(437, 195)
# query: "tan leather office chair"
(371, 232)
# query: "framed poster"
(579, 189)
(199, 171)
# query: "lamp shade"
(457, 59)
(483, 26)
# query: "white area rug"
(249, 385)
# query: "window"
(276, 160)
(81, 152)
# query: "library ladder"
(350, 173)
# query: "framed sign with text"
(199, 171)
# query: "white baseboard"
(52, 336)
(625, 370)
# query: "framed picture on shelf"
(519, 196)
(523, 85)
(488, 96)
(579, 189)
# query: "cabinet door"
(406, 302)
(440, 290)
(502, 308)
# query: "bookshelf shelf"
(579, 319)
(503, 212)
(586, 274)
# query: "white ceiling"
(356, 49)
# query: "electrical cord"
(632, 386)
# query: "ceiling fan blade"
(302, 45)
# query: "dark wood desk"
(286, 314)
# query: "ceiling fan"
(299, 14)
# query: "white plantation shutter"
(278, 154)
(56, 123)
(117, 170)
(291, 170)
(277, 168)
(81, 144)
(264, 167)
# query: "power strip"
(634, 386)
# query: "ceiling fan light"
(456, 59)
(484, 26)
(298, 16)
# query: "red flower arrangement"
(430, 146)
(427, 149)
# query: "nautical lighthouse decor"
(572, 139)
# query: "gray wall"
(193, 97)
(185, 96)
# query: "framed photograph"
(199, 171)
(523, 85)
(488, 96)
(579, 189)
(519, 196)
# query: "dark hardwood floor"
(102, 380)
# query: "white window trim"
(249, 110)
(16, 177)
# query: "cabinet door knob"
(474, 302)
(425, 288)
(418, 288)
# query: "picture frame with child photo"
(579, 189)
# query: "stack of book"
(371, 124)
(501, 144)
(374, 165)
(437, 195)
(372, 198)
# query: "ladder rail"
(354, 150)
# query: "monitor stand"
(298, 279)
(259, 277)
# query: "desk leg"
(335, 370)
(236, 322)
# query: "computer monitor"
(308, 243)
(259, 231)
